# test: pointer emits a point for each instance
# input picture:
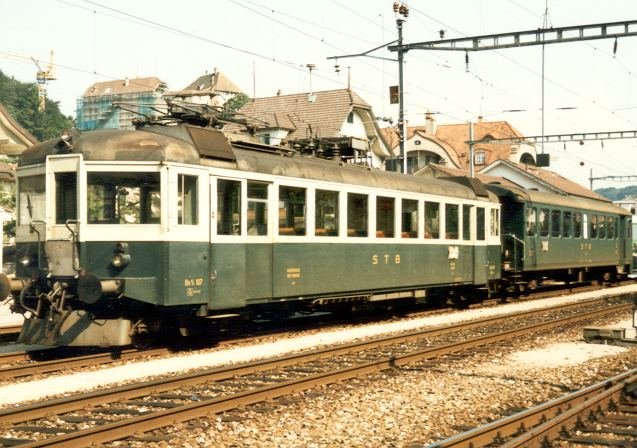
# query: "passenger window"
(543, 222)
(291, 210)
(466, 222)
(480, 227)
(257, 208)
(555, 223)
(123, 198)
(356, 214)
(593, 228)
(385, 217)
(566, 224)
(187, 200)
(531, 221)
(432, 220)
(611, 233)
(326, 223)
(451, 222)
(65, 197)
(577, 225)
(409, 222)
(601, 226)
(228, 207)
(495, 222)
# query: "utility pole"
(402, 12)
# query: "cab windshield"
(31, 199)
(123, 198)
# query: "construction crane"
(42, 77)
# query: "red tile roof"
(456, 136)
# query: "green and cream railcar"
(123, 232)
(562, 237)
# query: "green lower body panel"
(258, 273)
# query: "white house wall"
(429, 146)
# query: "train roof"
(535, 197)
(210, 147)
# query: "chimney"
(430, 124)
(126, 81)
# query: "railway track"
(10, 330)
(54, 365)
(603, 414)
(52, 360)
(97, 417)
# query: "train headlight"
(121, 257)
(120, 260)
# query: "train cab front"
(66, 285)
(62, 304)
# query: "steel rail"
(75, 402)
(55, 365)
(125, 428)
(14, 356)
(542, 422)
(13, 329)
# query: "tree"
(21, 100)
(237, 102)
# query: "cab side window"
(187, 200)
(228, 207)
(65, 197)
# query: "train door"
(61, 234)
(469, 236)
(187, 248)
(240, 242)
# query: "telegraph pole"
(402, 125)
(402, 12)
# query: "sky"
(265, 46)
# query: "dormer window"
(350, 117)
(480, 158)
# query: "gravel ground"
(415, 405)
